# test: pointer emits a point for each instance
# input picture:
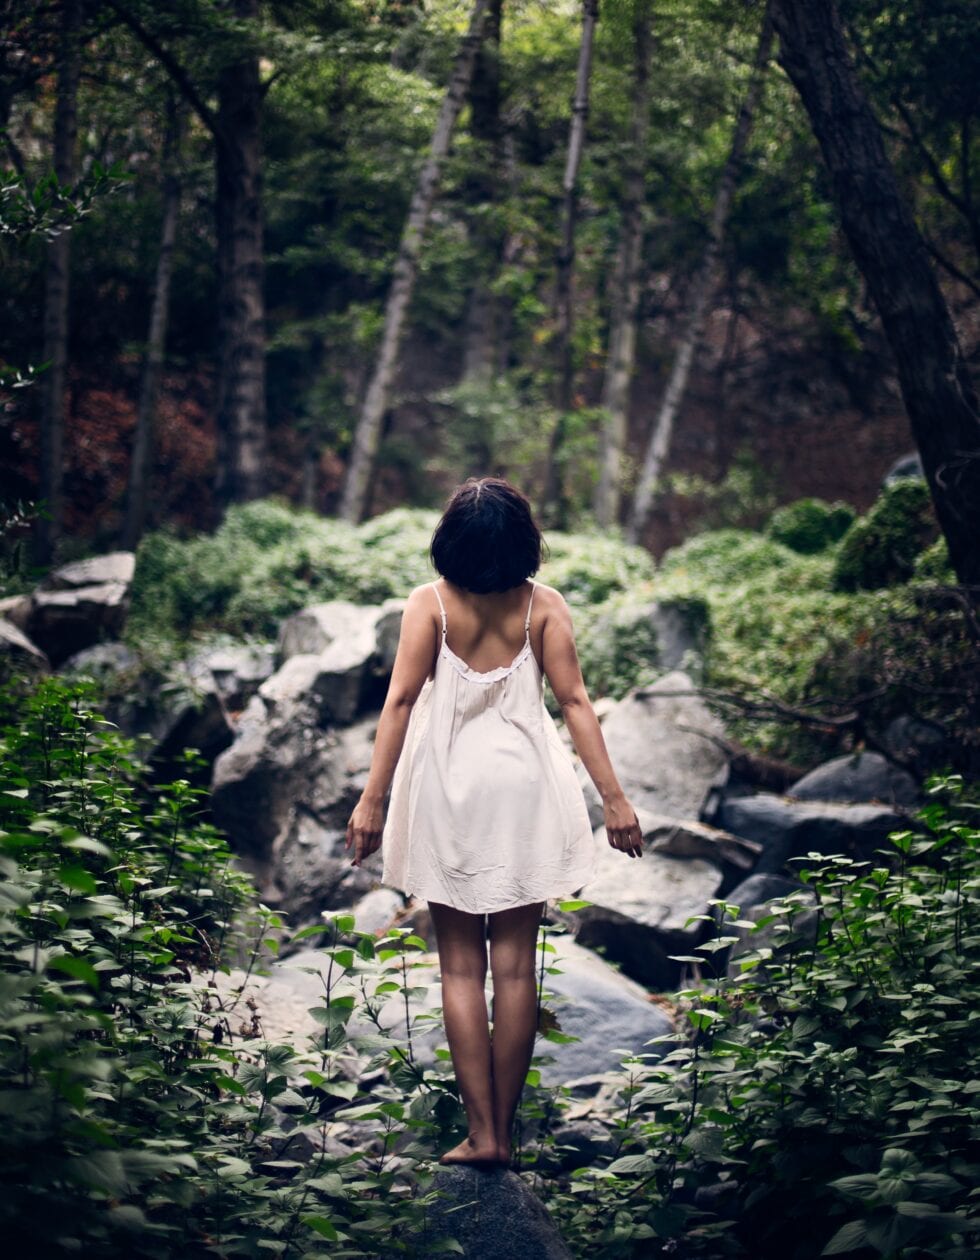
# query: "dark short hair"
(487, 538)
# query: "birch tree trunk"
(139, 473)
(367, 434)
(702, 288)
(56, 281)
(556, 508)
(621, 355)
(889, 249)
(241, 417)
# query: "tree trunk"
(139, 472)
(626, 299)
(702, 288)
(367, 434)
(554, 495)
(889, 249)
(483, 185)
(55, 352)
(241, 418)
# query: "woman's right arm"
(561, 667)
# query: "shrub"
(726, 557)
(809, 525)
(830, 1081)
(880, 548)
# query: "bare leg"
(513, 938)
(461, 941)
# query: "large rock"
(63, 621)
(687, 838)
(18, 653)
(918, 743)
(16, 609)
(611, 1014)
(639, 917)
(667, 749)
(337, 656)
(856, 778)
(311, 871)
(239, 670)
(493, 1214)
(115, 566)
(788, 828)
(282, 764)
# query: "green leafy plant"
(810, 525)
(880, 548)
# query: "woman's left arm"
(413, 662)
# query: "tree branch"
(172, 67)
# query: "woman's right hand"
(622, 828)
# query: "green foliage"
(880, 549)
(810, 525)
(145, 1112)
(830, 1080)
(588, 568)
(729, 556)
(266, 561)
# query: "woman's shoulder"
(547, 598)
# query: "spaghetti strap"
(527, 619)
(442, 607)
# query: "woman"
(487, 820)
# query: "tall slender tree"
(138, 488)
(621, 356)
(888, 247)
(367, 432)
(483, 189)
(701, 290)
(236, 130)
(56, 283)
(554, 494)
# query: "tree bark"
(702, 287)
(236, 129)
(889, 249)
(56, 283)
(367, 433)
(482, 322)
(554, 496)
(142, 455)
(621, 356)
(241, 417)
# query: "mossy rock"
(809, 526)
(881, 548)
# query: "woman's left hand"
(364, 829)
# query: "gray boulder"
(65, 620)
(610, 1013)
(16, 609)
(103, 661)
(239, 670)
(18, 653)
(114, 567)
(855, 778)
(687, 838)
(905, 466)
(311, 871)
(789, 828)
(281, 764)
(639, 917)
(312, 630)
(493, 1214)
(668, 750)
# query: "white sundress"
(486, 811)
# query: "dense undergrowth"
(832, 1081)
(849, 622)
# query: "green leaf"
(75, 967)
(849, 1237)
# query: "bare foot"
(470, 1151)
